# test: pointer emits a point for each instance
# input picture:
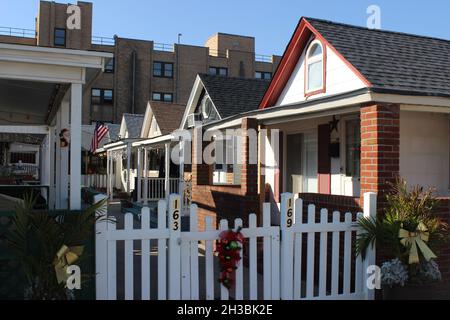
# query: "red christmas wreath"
(229, 249)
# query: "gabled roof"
(231, 95)
(384, 60)
(167, 115)
(133, 124)
(392, 60)
(113, 131)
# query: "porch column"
(167, 170)
(58, 171)
(128, 167)
(111, 177)
(75, 146)
(64, 156)
(182, 186)
(108, 175)
(139, 173)
(145, 176)
(380, 148)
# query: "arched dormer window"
(314, 70)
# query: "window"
(218, 71)
(108, 96)
(163, 69)
(101, 102)
(263, 75)
(352, 148)
(109, 67)
(162, 96)
(314, 67)
(227, 167)
(60, 37)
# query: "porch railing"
(156, 188)
(97, 181)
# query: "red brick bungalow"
(355, 108)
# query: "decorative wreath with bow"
(229, 249)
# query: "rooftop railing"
(17, 32)
(103, 41)
(263, 58)
(163, 47)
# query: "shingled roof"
(167, 115)
(395, 61)
(134, 124)
(234, 95)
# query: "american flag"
(99, 133)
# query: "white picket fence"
(94, 180)
(179, 274)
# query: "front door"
(301, 162)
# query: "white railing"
(25, 169)
(98, 181)
(190, 267)
(156, 188)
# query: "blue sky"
(270, 22)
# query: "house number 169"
(289, 214)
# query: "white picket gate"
(184, 262)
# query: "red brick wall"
(380, 148)
(226, 201)
(444, 252)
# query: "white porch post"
(181, 185)
(111, 177)
(75, 146)
(128, 167)
(58, 161)
(64, 156)
(139, 173)
(167, 170)
(48, 161)
(145, 176)
(108, 175)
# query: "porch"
(144, 172)
(40, 119)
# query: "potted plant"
(409, 235)
(45, 244)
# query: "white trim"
(24, 129)
(193, 99)
(425, 108)
(53, 56)
(55, 50)
(194, 95)
(290, 113)
(160, 139)
(312, 60)
(412, 100)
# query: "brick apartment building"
(141, 70)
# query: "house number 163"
(176, 216)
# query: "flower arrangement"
(408, 233)
(394, 272)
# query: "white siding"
(339, 79)
(424, 150)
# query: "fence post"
(174, 247)
(286, 261)
(101, 257)
(370, 211)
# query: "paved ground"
(114, 209)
